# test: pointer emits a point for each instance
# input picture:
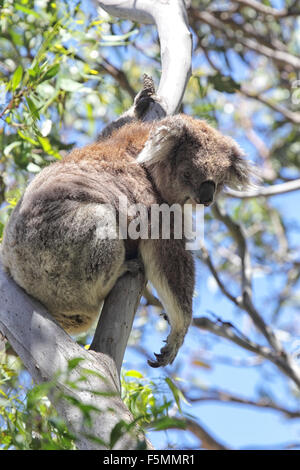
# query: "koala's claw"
(162, 360)
(165, 317)
(157, 363)
(167, 354)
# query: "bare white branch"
(266, 191)
(175, 43)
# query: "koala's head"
(193, 161)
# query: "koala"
(53, 244)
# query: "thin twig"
(207, 440)
(280, 56)
(269, 11)
(266, 191)
(227, 397)
(207, 259)
(291, 116)
(226, 330)
(238, 234)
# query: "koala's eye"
(187, 175)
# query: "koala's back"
(54, 244)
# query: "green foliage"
(28, 421)
(153, 405)
(223, 84)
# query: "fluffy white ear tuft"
(161, 141)
(244, 176)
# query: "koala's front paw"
(169, 351)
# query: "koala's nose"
(206, 193)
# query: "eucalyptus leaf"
(10, 147)
(68, 84)
(119, 37)
(33, 109)
(17, 77)
(26, 10)
(33, 168)
(51, 72)
(223, 83)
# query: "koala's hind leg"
(170, 269)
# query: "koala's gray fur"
(51, 244)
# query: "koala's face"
(196, 160)
(204, 166)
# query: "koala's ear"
(162, 140)
(242, 174)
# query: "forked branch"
(175, 39)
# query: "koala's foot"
(165, 317)
(147, 101)
(169, 351)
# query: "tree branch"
(279, 56)
(208, 261)
(267, 191)
(291, 116)
(45, 350)
(277, 354)
(237, 232)
(175, 43)
(227, 397)
(248, 30)
(226, 330)
(116, 319)
(269, 11)
(207, 440)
